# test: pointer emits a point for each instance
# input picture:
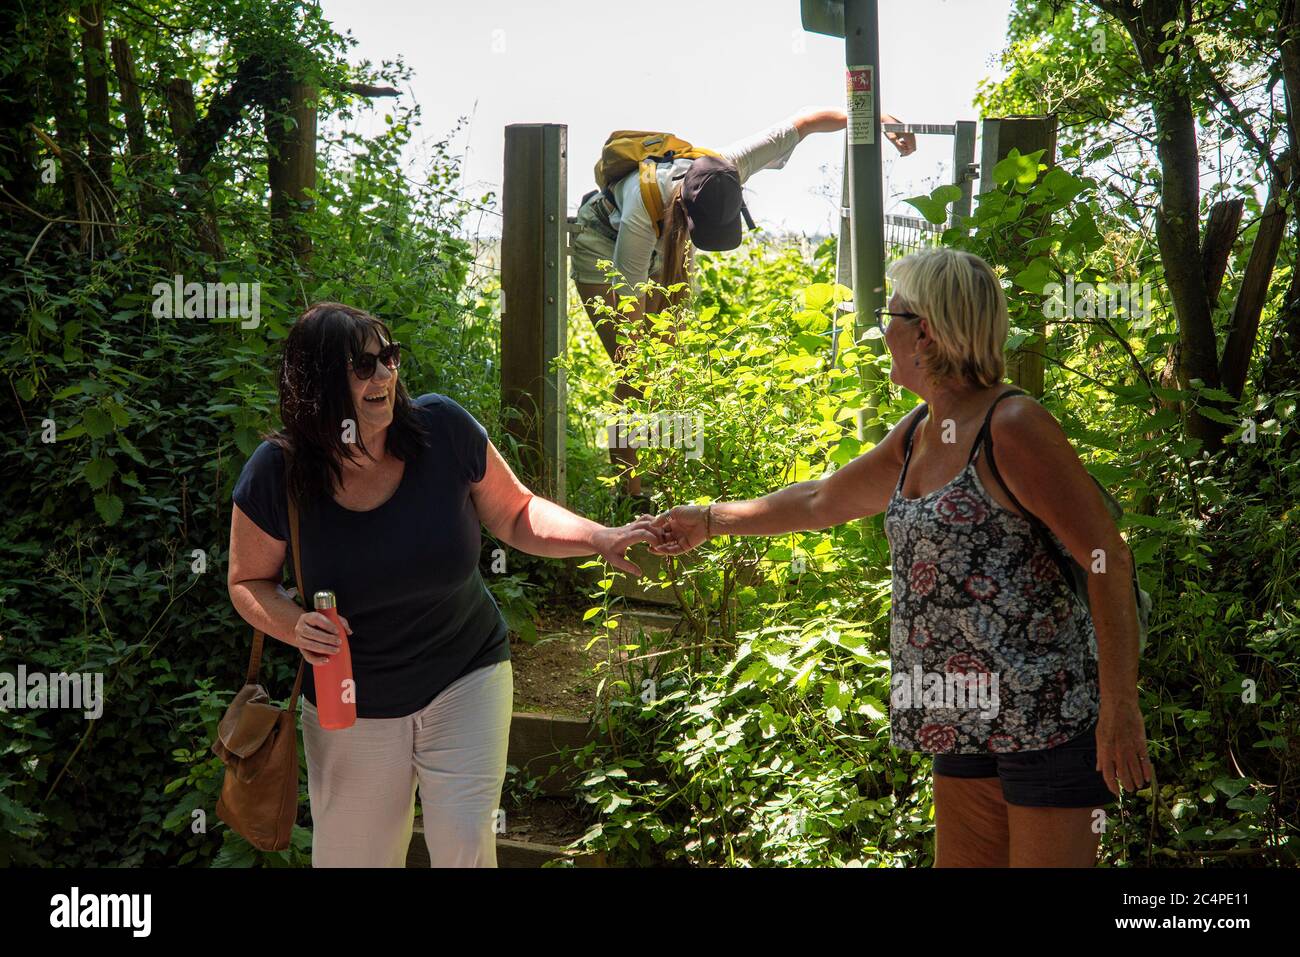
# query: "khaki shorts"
(594, 240)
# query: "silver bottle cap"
(324, 599)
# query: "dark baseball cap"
(714, 205)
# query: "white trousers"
(362, 780)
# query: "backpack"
(1075, 575)
(626, 151)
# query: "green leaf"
(933, 210)
(121, 417)
(817, 295)
(98, 472)
(98, 423)
(1217, 395)
(1035, 276)
(247, 440)
(1214, 415)
(125, 445)
(1063, 185)
(109, 508)
(1231, 786)
(947, 194)
(847, 449)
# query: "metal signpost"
(856, 22)
(908, 233)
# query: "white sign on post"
(861, 89)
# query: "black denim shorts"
(1064, 776)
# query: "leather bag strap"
(297, 577)
(255, 658)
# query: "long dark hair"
(677, 245)
(316, 396)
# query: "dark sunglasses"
(884, 311)
(364, 364)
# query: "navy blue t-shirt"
(406, 574)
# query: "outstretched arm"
(861, 488)
(820, 121)
(828, 121)
(522, 520)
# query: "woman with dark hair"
(391, 493)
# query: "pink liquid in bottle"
(336, 700)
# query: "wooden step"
(538, 743)
(510, 853)
(652, 620)
(626, 586)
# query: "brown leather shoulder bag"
(259, 744)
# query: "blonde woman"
(993, 661)
(703, 207)
(390, 521)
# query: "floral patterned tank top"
(990, 650)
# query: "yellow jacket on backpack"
(629, 150)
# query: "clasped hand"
(673, 532)
(681, 528)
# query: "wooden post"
(534, 294)
(1028, 134)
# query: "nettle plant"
(779, 758)
(771, 410)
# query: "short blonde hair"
(967, 311)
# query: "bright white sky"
(712, 71)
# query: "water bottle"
(336, 699)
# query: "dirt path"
(559, 674)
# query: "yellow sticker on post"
(861, 89)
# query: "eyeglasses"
(884, 311)
(364, 364)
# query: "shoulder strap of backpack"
(650, 195)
